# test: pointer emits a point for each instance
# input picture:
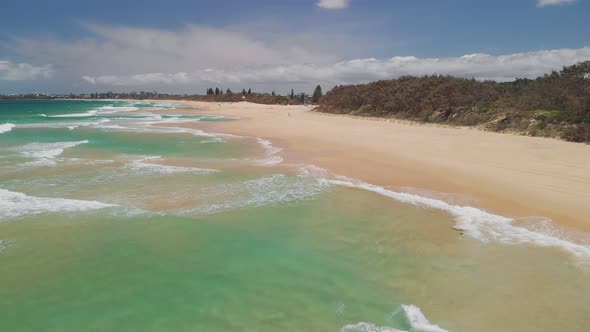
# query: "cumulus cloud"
(10, 71)
(332, 4)
(543, 3)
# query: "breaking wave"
(142, 165)
(414, 317)
(102, 110)
(479, 224)
(270, 153)
(269, 190)
(69, 125)
(4, 128)
(45, 153)
(15, 205)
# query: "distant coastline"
(556, 105)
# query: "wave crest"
(414, 317)
(4, 128)
(15, 205)
(476, 223)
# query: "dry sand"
(511, 175)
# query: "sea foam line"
(264, 191)
(139, 165)
(270, 152)
(97, 111)
(45, 153)
(69, 125)
(4, 128)
(267, 145)
(474, 222)
(414, 317)
(15, 205)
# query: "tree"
(317, 94)
(244, 92)
(228, 91)
(292, 94)
(273, 93)
(249, 91)
(216, 91)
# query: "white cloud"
(332, 4)
(120, 50)
(10, 71)
(543, 3)
(479, 66)
(196, 57)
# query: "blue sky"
(277, 44)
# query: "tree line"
(294, 98)
(553, 105)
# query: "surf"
(14, 205)
(4, 128)
(413, 316)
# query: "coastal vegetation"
(553, 105)
(217, 95)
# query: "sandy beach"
(512, 175)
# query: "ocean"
(114, 219)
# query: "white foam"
(269, 161)
(76, 115)
(141, 165)
(270, 153)
(4, 128)
(47, 150)
(367, 327)
(269, 190)
(115, 109)
(69, 125)
(149, 127)
(267, 145)
(45, 153)
(311, 170)
(111, 127)
(413, 315)
(212, 140)
(157, 105)
(477, 223)
(418, 321)
(15, 205)
(98, 111)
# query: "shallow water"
(109, 222)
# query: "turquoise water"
(114, 219)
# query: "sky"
(185, 46)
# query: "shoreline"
(509, 175)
